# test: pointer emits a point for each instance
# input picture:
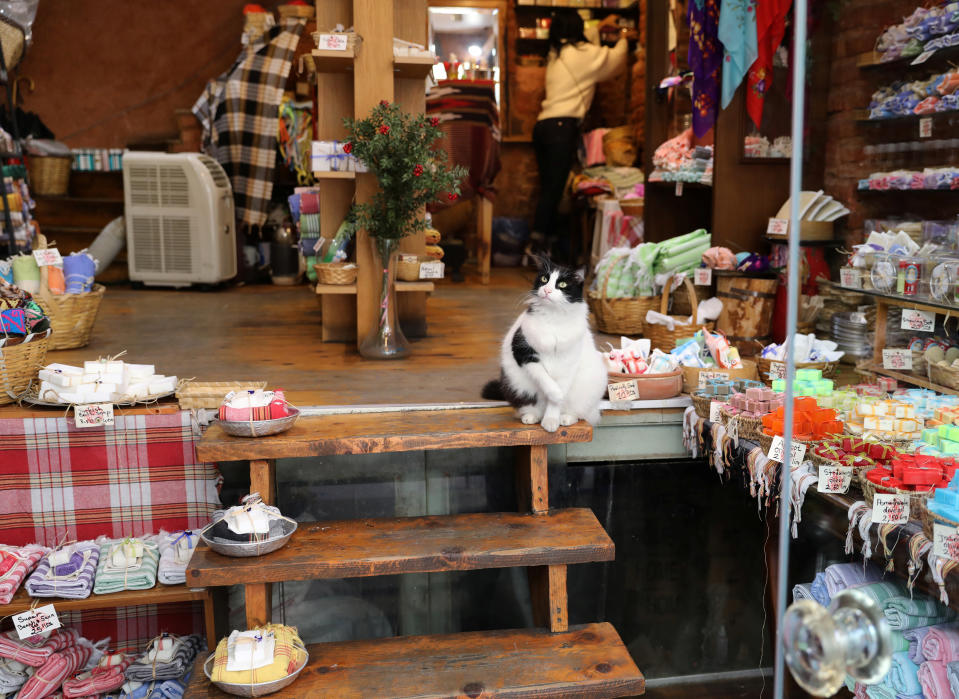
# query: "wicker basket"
(931, 518)
(749, 427)
(339, 273)
(701, 405)
(619, 316)
(409, 270)
(662, 337)
(944, 375)
(917, 501)
(766, 440)
(20, 360)
(194, 395)
(49, 174)
(691, 374)
(764, 364)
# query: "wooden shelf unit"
(401, 287)
(327, 61)
(413, 67)
(334, 174)
(554, 661)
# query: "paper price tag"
(921, 321)
(36, 621)
(624, 390)
(714, 411)
(47, 257)
(778, 227)
(890, 509)
(408, 257)
(679, 189)
(925, 127)
(922, 57)
(93, 415)
(777, 370)
(897, 359)
(850, 278)
(705, 376)
(834, 479)
(777, 448)
(703, 276)
(732, 430)
(332, 42)
(945, 541)
(432, 270)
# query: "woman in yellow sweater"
(575, 64)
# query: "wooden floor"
(272, 333)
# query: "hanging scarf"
(770, 28)
(704, 59)
(737, 32)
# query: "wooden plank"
(375, 433)
(334, 174)
(912, 379)
(263, 479)
(413, 67)
(586, 661)
(161, 594)
(532, 485)
(547, 587)
(169, 407)
(369, 547)
(259, 604)
(484, 236)
(332, 61)
(401, 287)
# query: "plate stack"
(850, 331)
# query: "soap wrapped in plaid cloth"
(288, 655)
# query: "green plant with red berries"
(401, 150)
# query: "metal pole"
(792, 287)
(7, 220)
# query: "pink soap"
(754, 394)
(768, 394)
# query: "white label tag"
(945, 541)
(408, 257)
(922, 57)
(36, 621)
(777, 448)
(679, 189)
(624, 390)
(432, 270)
(705, 376)
(732, 429)
(714, 411)
(47, 257)
(332, 42)
(925, 127)
(850, 278)
(777, 370)
(94, 415)
(897, 359)
(778, 227)
(890, 509)
(921, 321)
(834, 479)
(703, 276)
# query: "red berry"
(418, 170)
(384, 103)
(384, 129)
(347, 147)
(451, 196)
(435, 121)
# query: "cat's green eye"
(544, 279)
(562, 285)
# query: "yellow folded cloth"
(287, 657)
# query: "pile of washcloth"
(176, 549)
(925, 29)
(935, 94)
(36, 667)
(16, 562)
(68, 572)
(646, 268)
(680, 160)
(127, 564)
(168, 657)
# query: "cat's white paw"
(550, 424)
(528, 418)
(567, 420)
(554, 395)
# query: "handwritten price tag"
(920, 321)
(890, 509)
(922, 57)
(332, 42)
(897, 359)
(624, 390)
(777, 448)
(703, 276)
(777, 370)
(778, 227)
(715, 408)
(834, 479)
(705, 376)
(925, 127)
(93, 415)
(732, 430)
(432, 270)
(36, 621)
(945, 541)
(48, 257)
(850, 278)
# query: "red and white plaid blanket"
(59, 483)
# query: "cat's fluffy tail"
(493, 390)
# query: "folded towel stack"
(70, 574)
(127, 564)
(904, 613)
(15, 563)
(36, 653)
(106, 676)
(168, 658)
(176, 549)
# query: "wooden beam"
(263, 479)
(532, 484)
(547, 588)
(259, 604)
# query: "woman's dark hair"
(566, 28)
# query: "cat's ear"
(543, 263)
(580, 275)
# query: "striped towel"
(58, 667)
(903, 676)
(819, 591)
(904, 613)
(44, 583)
(840, 576)
(168, 689)
(802, 591)
(22, 559)
(914, 637)
(145, 670)
(176, 549)
(105, 677)
(12, 675)
(140, 576)
(934, 678)
(36, 654)
(941, 643)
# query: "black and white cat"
(552, 372)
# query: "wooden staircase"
(554, 661)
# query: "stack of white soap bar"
(102, 382)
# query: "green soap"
(808, 374)
(947, 446)
(952, 433)
(779, 385)
(930, 435)
(942, 430)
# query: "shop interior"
(442, 348)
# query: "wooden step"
(366, 547)
(586, 661)
(373, 433)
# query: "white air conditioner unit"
(179, 216)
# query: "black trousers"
(555, 142)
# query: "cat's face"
(557, 286)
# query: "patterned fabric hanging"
(737, 32)
(770, 28)
(705, 58)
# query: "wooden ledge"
(586, 661)
(365, 547)
(160, 594)
(375, 433)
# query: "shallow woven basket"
(194, 395)
(408, 270)
(749, 427)
(662, 337)
(71, 315)
(20, 360)
(764, 364)
(701, 405)
(49, 174)
(766, 441)
(930, 518)
(335, 272)
(619, 316)
(917, 501)
(944, 375)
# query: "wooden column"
(532, 485)
(259, 597)
(263, 479)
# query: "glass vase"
(386, 339)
